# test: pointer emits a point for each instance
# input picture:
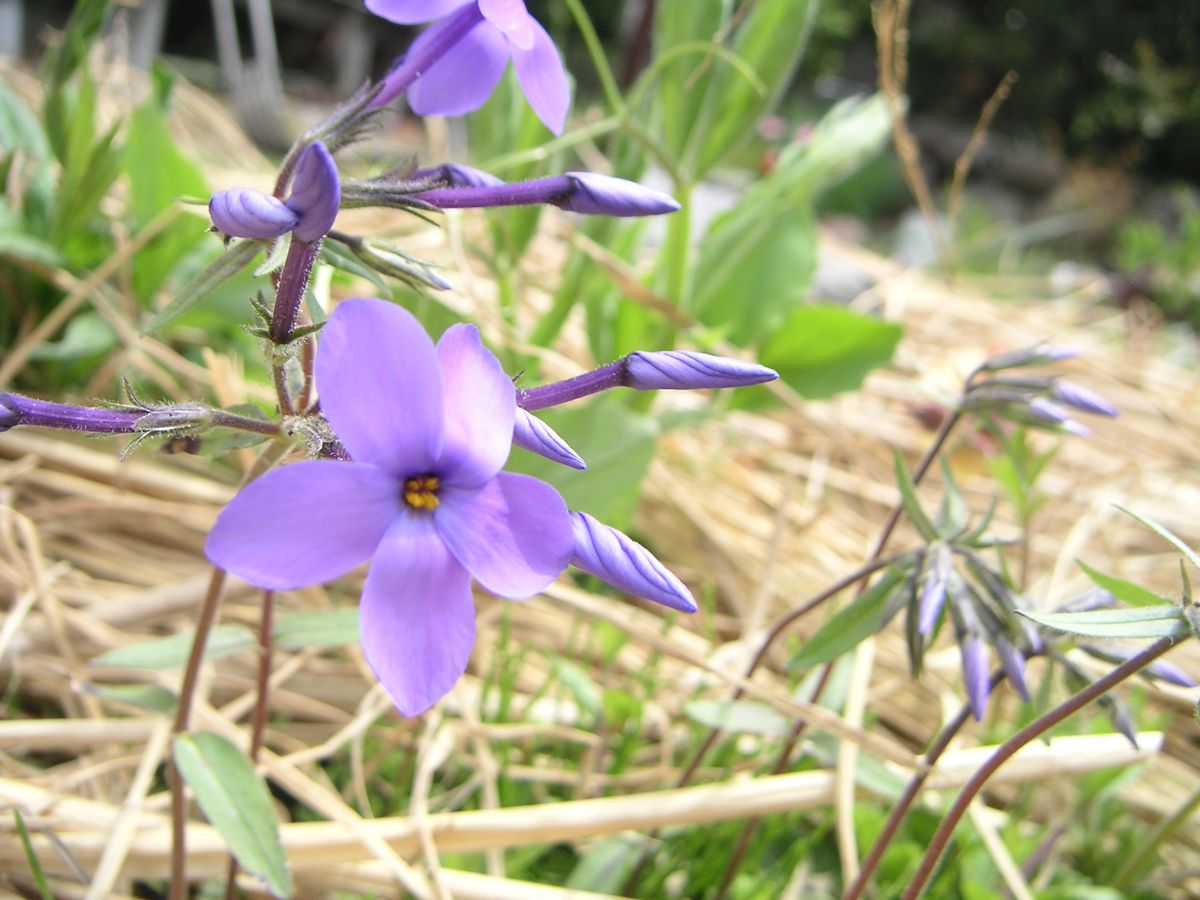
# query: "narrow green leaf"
(848, 627)
(1125, 591)
(221, 269)
(172, 652)
(1166, 534)
(152, 697)
(20, 245)
(237, 803)
(317, 628)
(952, 514)
(35, 864)
(682, 85)
(1145, 622)
(579, 683)
(912, 505)
(740, 716)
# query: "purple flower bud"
(607, 196)
(1163, 671)
(316, 193)
(241, 212)
(20, 410)
(457, 176)
(1047, 412)
(686, 370)
(1082, 398)
(536, 436)
(1013, 661)
(975, 673)
(934, 577)
(625, 564)
(1040, 355)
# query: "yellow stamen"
(420, 491)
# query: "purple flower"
(975, 672)
(453, 66)
(580, 192)
(309, 212)
(624, 563)
(428, 430)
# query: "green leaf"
(771, 42)
(1166, 534)
(19, 245)
(739, 716)
(1125, 591)
(221, 269)
(19, 127)
(617, 445)
(605, 865)
(152, 697)
(912, 505)
(680, 32)
(580, 685)
(35, 864)
(952, 513)
(1166, 620)
(317, 628)
(849, 626)
(86, 335)
(821, 351)
(237, 803)
(84, 28)
(172, 652)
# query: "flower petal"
(417, 619)
(462, 78)
(480, 405)
(413, 12)
(316, 193)
(241, 212)
(543, 78)
(625, 564)
(511, 18)
(513, 535)
(380, 385)
(304, 523)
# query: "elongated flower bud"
(934, 577)
(625, 564)
(581, 192)
(536, 436)
(975, 673)
(1082, 398)
(1040, 355)
(316, 193)
(241, 212)
(688, 370)
(1047, 412)
(1013, 661)
(1160, 669)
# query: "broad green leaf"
(155, 188)
(771, 42)
(85, 336)
(912, 505)
(1125, 591)
(1166, 534)
(849, 626)
(222, 268)
(237, 803)
(317, 628)
(616, 443)
(20, 245)
(605, 865)
(822, 350)
(739, 716)
(1166, 620)
(580, 685)
(152, 697)
(172, 652)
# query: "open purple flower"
(309, 211)
(453, 66)
(429, 430)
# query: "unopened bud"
(534, 435)
(625, 564)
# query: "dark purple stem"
(293, 281)
(450, 31)
(1006, 751)
(553, 189)
(602, 379)
(18, 410)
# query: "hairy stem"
(1006, 750)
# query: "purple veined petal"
(513, 534)
(510, 18)
(462, 78)
(625, 564)
(543, 78)
(1013, 661)
(413, 12)
(241, 212)
(316, 193)
(975, 673)
(534, 435)
(480, 403)
(380, 386)
(603, 195)
(417, 617)
(304, 523)
(687, 370)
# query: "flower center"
(421, 491)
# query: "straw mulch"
(761, 510)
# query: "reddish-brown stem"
(258, 723)
(1006, 750)
(912, 789)
(183, 714)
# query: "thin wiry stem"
(1006, 750)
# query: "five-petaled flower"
(429, 430)
(453, 66)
